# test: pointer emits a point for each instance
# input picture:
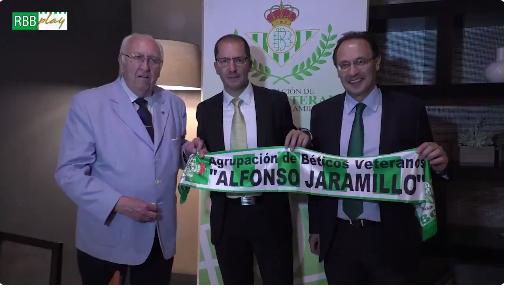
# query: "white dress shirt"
(134, 97)
(248, 109)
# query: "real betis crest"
(196, 172)
(282, 42)
(196, 168)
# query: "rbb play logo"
(39, 20)
(25, 20)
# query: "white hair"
(127, 39)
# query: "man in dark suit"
(247, 116)
(365, 241)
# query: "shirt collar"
(372, 101)
(132, 95)
(246, 96)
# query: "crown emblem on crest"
(281, 14)
(283, 42)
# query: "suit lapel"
(387, 126)
(262, 111)
(161, 112)
(123, 108)
(338, 129)
(216, 122)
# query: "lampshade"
(181, 66)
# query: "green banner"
(399, 177)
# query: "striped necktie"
(145, 116)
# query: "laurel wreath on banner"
(303, 69)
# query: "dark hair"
(233, 37)
(357, 35)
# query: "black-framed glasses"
(139, 59)
(358, 62)
(236, 60)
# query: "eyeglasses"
(139, 59)
(237, 60)
(358, 62)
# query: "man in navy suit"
(379, 243)
(119, 157)
(243, 226)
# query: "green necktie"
(238, 136)
(353, 208)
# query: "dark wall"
(84, 54)
(39, 74)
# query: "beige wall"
(180, 21)
(31, 203)
(186, 257)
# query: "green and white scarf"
(399, 177)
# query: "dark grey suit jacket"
(274, 121)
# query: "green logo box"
(25, 20)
